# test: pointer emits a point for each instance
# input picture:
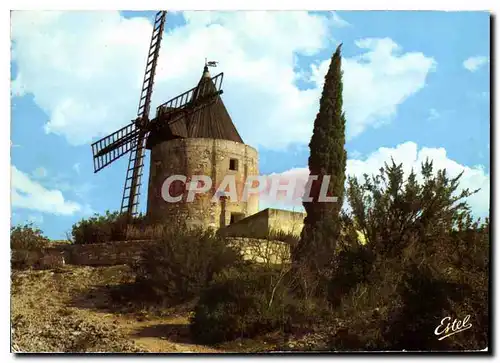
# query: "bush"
(24, 259)
(182, 263)
(105, 228)
(144, 231)
(27, 237)
(26, 242)
(238, 304)
(351, 267)
(425, 259)
(288, 237)
(251, 301)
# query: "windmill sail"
(114, 146)
(178, 117)
(131, 190)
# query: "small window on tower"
(233, 164)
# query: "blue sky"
(416, 85)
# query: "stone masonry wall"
(102, 254)
(254, 226)
(210, 157)
(127, 252)
(266, 222)
(262, 250)
(286, 221)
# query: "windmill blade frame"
(184, 99)
(191, 97)
(131, 189)
(113, 146)
(132, 138)
(178, 115)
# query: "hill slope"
(70, 310)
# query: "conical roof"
(212, 121)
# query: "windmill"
(133, 137)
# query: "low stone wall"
(266, 223)
(254, 226)
(128, 252)
(104, 254)
(262, 250)
(286, 221)
(37, 259)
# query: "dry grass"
(145, 232)
(43, 321)
(67, 310)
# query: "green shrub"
(251, 301)
(351, 267)
(425, 259)
(111, 226)
(182, 263)
(237, 304)
(278, 235)
(24, 259)
(27, 237)
(26, 242)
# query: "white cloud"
(83, 190)
(377, 81)
(65, 183)
(338, 21)
(29, 194)
(481, 96)
(433, 114)
(355, 154)
(410, 156)
(91, 60)
(474, 63)
(35, 219)
(85, 70)
(40, 172)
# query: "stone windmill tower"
(202, 143)
(191, 134)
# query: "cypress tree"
(327, 157)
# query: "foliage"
(182, 263)
(327, 158)
(279, 235)
(238, 304)
(26, 242)
(393, 213)
(425, 259)
(351, 266)
(112, 226)
(27, 237)
(252, 301)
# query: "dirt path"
(48, 301)
(157, 335)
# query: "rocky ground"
(70, 309)
(64, 310)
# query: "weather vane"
(210, 63)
